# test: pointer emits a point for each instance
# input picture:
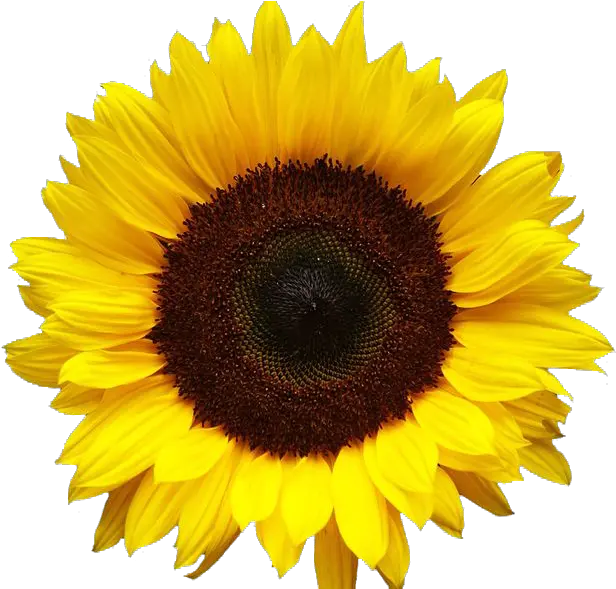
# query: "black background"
(561, 535)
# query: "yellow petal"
(493, 87)
(256, 489)
(532, 426)
(509, 192)
(472, 139)
(111, 240)
(201, 117)
(305, 99)
(454, 422)
(159, 81)
(448, 513)
(544, 404)
(480, 491)
(275, 539)
(76, 400)
(110, 529)
(154, 511)
(38, 359)
(525, 251)
(206, 521)
(217, 550)
(144, 129)
(306, 502)
(134, 191)
(505, 427)
(546, 337)
(57, 273)
(335, 564)
(88, 320)
(563, 288)
(34, 299)
(237, 73)
(416, 506)
(546, 461)
(550, 208)
(271, 45)
(360, 508)
(407, 455)
(350, 44)
(110, 368)
(129, 437)
(395, 564)
(32, 246)
(480, 375)
(424, 79)
(191, 455)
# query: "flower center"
(303, 307)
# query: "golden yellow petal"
(395, 564)
(38, 359)
(480, 491)
(123, 364)
(520, 254)
(335, 564)
(110, 241)
(454, 422)
(541, 335)
(360, 509)
(110, 529)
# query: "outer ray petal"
(201, 117)
(359, 507)
(106, 318)
(541, 335)
(129, 438)
(256, 489)
(481, 375)
(335, 564)
(480, 491)
(546, 461)
(492, 87)
(562, 288)
(57, 273)
(454, 422)
(509, 192)
(110, 241)
(237, 73)
(144, 130)
(305, 108)
(133, 190)
(416, 506)
(123, 364)
(407, 455)
(218, 546)
(190, 456)
(271, 46)
(448, 513)
(38, 359)
(522, 253)
(76, 400)
(306, 502)
(395, 564)
(276, 541)
(473, 136)
(153, 512)
(110, 529)
(206, 522)
(544, 404)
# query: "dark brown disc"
(304, 306)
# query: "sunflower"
(287, 295)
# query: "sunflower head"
(290, 294)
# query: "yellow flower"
(288, 296)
